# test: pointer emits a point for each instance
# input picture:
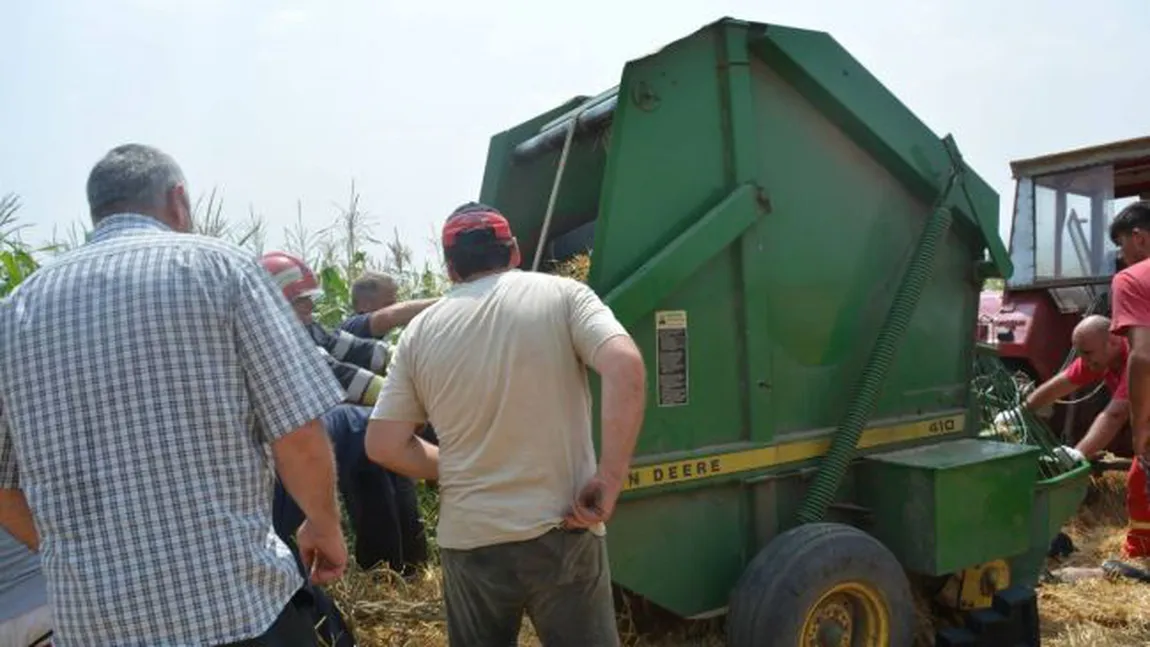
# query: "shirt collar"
(122, 224)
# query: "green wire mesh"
(1000, 397)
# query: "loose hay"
(1096, 612)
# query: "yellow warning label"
(704, 467)
(670, 319)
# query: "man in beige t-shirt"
(498, 367)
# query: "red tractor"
(1063, 261)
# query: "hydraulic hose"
(834, 464)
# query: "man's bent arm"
(16, 518)
(624, 392)
(397, 314)
(306, 466)
(394, 445)
(1050, 391)
(1105, 427)
(1138, 385)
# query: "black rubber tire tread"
(771, 599)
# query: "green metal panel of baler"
(756, 196)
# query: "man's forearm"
(1049, 392)
(16, 518)
(394, 446)
(398, 314)
(1101, 433)
(624, 393)
(1138, 381)
(306, 466)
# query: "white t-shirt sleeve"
(398, 399)
(592, 323)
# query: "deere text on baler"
(799, 259)
(1063, 261)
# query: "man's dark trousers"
(561, 580)
(381, 505)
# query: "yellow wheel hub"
(851, 614)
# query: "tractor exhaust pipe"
(592, 116)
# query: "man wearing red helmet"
(382, 505)
(358, 363)
(499, 367)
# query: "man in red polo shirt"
(1130, 305)
(1130, 314)
(1101, 357)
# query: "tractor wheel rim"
(850, 614)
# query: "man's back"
(498, 364)
(128, 372)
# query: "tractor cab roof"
(1129, 159)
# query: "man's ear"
(179, 209)
(516, 259)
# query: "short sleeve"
(1129, 303)
(1080, 374)
(1120, 391)
(590, 320)
(399, 399)
(358, 325)
(9, 472)
(289, 383)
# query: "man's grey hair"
(370, 284)
(132, 177)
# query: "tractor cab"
(1063, 258)
(1063, 206)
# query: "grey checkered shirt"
(142, 378)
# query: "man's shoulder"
(358, 324)
(544, 283)
(1138, 272)
(204, 247)
(214, 247)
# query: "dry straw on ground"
(388, 612)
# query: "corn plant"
(17, 258)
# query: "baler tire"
(786, 580)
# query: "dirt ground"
(1091, 613)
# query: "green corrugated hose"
(834, 464)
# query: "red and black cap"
(473, 218)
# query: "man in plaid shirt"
(152, 383)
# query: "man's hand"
(595, 502)
(1069, 454)
(323, 551)
(16, 518)
(1008, 416)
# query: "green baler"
(799, 259)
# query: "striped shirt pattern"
(357, 363)
(143, 377)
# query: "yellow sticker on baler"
(748, 460)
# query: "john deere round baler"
(799, 258)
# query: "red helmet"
(293, 275)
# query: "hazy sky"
(277, 101)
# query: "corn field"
(337, 252)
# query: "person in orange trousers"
(1138, 511)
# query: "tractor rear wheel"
(822, 584)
